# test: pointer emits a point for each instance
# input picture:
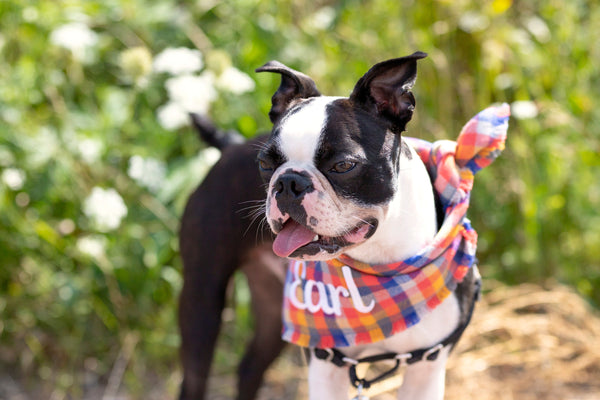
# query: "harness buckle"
(432, 352)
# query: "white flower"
(208, 157)
(539, 29)
(172, 276)
(172, 116)
(42, 147)
(267, 22)
(105, 207)
(90, 149)
(76, 37)
(235, 81)
(472, 21)
(136, 63)
(522, 39)
(148, 172)
(193, 93)
(322, 18)
(177, 61)
(187, 93)
(524, 109)
(504, 81)
(66, 226)
(93, 246)
(440, 27)
(14, 178)
(30, 14)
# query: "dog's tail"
(212, 135)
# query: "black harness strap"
(427, 354)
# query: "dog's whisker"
(251, 208)
(258, 218)
(260, 146)
(250, 226)
(251, 211)
(252, 201)
(253, 217)
(362, 220)
(258, 205)
(262, 228)
(256, 212)
(259, 229)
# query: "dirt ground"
(523, 343)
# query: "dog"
(335, 180)
(216, 239)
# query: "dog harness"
(343, 302)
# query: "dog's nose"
(292, 186)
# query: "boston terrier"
(358, 214)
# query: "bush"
(97, 160)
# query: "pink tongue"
(291, 237)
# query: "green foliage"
(88, 243)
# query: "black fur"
(217, 237)
(212, 135)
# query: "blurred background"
(97, 157)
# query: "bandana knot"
(344, 302)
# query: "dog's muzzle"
(306, 219)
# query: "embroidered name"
(313, 296)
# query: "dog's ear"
(294, 85)
(385, 89)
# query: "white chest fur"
(410, 222)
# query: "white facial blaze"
(300, 132)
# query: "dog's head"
(331, 163)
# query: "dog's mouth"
(295, 240)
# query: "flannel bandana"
(343, 302)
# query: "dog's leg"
(200, 310)
(266, 274)
(200, 307)
(425, 380)
(208, 267)
(327, 381)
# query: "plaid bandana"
(343, 302)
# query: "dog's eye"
(264, 165)
(343, 166)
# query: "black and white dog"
(339, 179)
